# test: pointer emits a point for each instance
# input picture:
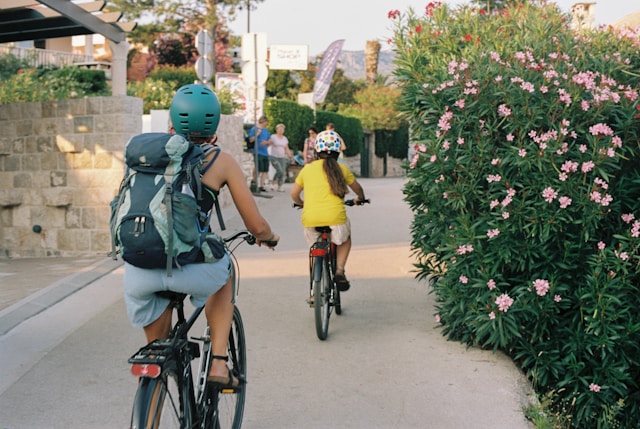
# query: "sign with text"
(288, 57)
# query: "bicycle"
(322, 270)
(167, 395)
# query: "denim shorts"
(199, 280)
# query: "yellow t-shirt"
(321, 206)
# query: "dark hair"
(334, 173)
(314, 129)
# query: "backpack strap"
(169, 175)
(216, 203)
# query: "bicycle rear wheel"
(226, 408)
(157, 404)
(321, 294)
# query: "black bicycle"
(324, 293)
(167, 395)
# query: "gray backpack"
(156, 219)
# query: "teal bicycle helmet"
(195, 111)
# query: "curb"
(34, 304)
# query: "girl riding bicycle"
(195, 114)
(325, 182)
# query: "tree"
(281, 85)
(190, 16)
(376, 107)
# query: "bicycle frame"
(162, 359)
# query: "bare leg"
(160, 327)
(219, 312)
(342, 254)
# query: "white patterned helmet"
(328, 141)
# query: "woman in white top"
(280, 155)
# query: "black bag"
(248, 144)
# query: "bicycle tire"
(225, 410)
(157, 404)
(321, 294)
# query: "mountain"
(352, 62)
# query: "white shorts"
(339, 233)
(199, 280)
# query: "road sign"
(204, 43)
(254, 47)
(204, 69)
(253, 95)
(254, 74)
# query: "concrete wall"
(61, 165)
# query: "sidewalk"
(31, 285)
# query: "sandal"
(341, 282)
(311, 301)
(223, 383)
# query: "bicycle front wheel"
(321, 294)
(157, 404)
(226, 408)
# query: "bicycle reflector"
(319, 251)
(150, 370)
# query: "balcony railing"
(45, 57)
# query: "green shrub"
(31, 85)
(296, 118)
(180, 76)
(525, 189)
(10, 65)
(155, 94)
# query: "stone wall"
(61, 164)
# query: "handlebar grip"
(270, 243)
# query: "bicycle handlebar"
(349, 202)
(249, 238)
(352, 202)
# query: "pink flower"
(635, 230)
(494, 178)
(491, 284)
(549, 194)
(503, 110)
(460, 140)
(522, 153)
(503, 302)
(510, 137)
(463, 249)
(492, 315)
(564, 202)
(438, 318)
(493, 233)
(582, 148)
(600, 130)
(393, 14)
(505, 215)
(464, 280)
(557, 298)
(628, 217)
(594, 387)
(541, 286)
(587, 166)
(601, 245)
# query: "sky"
(318, 24)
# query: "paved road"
(384, 364)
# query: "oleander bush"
(525, 186)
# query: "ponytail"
(334, 173)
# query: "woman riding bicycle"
(325, 183)
(195, 114)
